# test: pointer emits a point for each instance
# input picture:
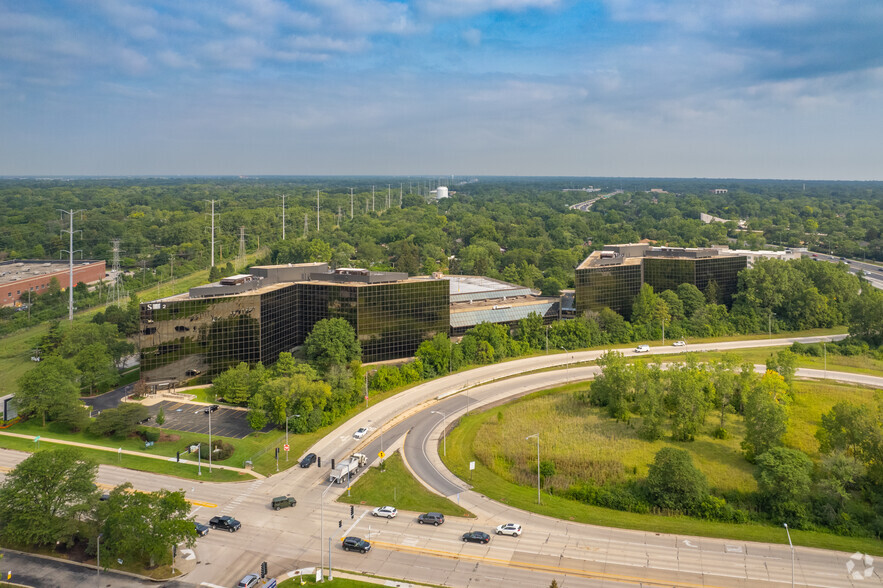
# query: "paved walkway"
(127, 452)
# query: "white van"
(642, 349)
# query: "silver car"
(389, 512)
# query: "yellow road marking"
(191, 501)
(542, 567)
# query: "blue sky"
(678, 88)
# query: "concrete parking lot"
(185, 416)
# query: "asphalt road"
(575, 555)
(871, 272)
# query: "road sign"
(381, 455)
(285, 447)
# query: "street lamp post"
(444, 438)
(322, 530)
(98, 561)
(537, 435)
(663, 331)
(210, 441)
(792, 553)
(566, 367)
(825, 349)
(769, 325)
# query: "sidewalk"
(128, 452)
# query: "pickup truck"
(225, 523)
(282, 502)
(347, 469)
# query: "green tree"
(766, 415)
(674, 483)
(691, 298)
(120, 421)
(161, 417)
(784, 363)
(95, 366)
(332, 342)
(145, 525)
(649, 387)
(850, 428)
(866, 316)
(233, 384)
(435, 355)
(649, 310)
(614, 326)
(784, 477)
(44, 498)
(214, 274)
(614, 388)
(532, 331)
(687, 401)
(48, 388)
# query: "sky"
(637, 88)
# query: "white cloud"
(472, 37)
(471, 7)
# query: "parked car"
(356, 544)
(225, 523)
(476, 537)
(360, 433)
(249, 581)
(389, 512)
(642, 349)
(513, 529)
(308, 460)
(282, 502)
(680, 343)
(201, 530)
(211, 408)
(431, 518)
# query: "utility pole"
(213, 230)
(351, 203)
(306, 224)
(338, 217)
(70, 289)
(283, 217)
(114, 294)
(317, 211)
(241, 246)
(389, 195)
(372, 199)
(401, 191)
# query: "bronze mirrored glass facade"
(182, 337)
(613, 287)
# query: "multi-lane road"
(573, 554)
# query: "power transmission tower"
(389, 196)
(70, 232)
(114, 293)
(401, 191)
(372, 199)
(213, 231)
(338, 217)
(351, 203)
(306, 226)
(317, 211)
(241, 259)
(283, 217)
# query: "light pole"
(566, 367)
(98, 561)
(547, 339)
(663, 331)
(209, 440)
(792, 553)
(825, 349)
(444, 438)
(537, 435)
(322, 530)
(769, 325)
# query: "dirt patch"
(169, 437)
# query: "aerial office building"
(612, 277)
(21, 281)
(253, 317)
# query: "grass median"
(395, 486)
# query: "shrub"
(674, 483)
(150, 435)
(221, 450)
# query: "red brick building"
(17, 278)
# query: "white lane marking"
(689, 544)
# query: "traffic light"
(178, 458)
(263, 569)
(339, 524)
(318, 462)
(352, 511)
(277, 453)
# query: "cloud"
(460, 8)
(472, 37)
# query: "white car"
(509, 529)
(680, 343)
(389, 512)
(642, 349)
(360, 433)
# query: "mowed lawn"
(395, 486)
